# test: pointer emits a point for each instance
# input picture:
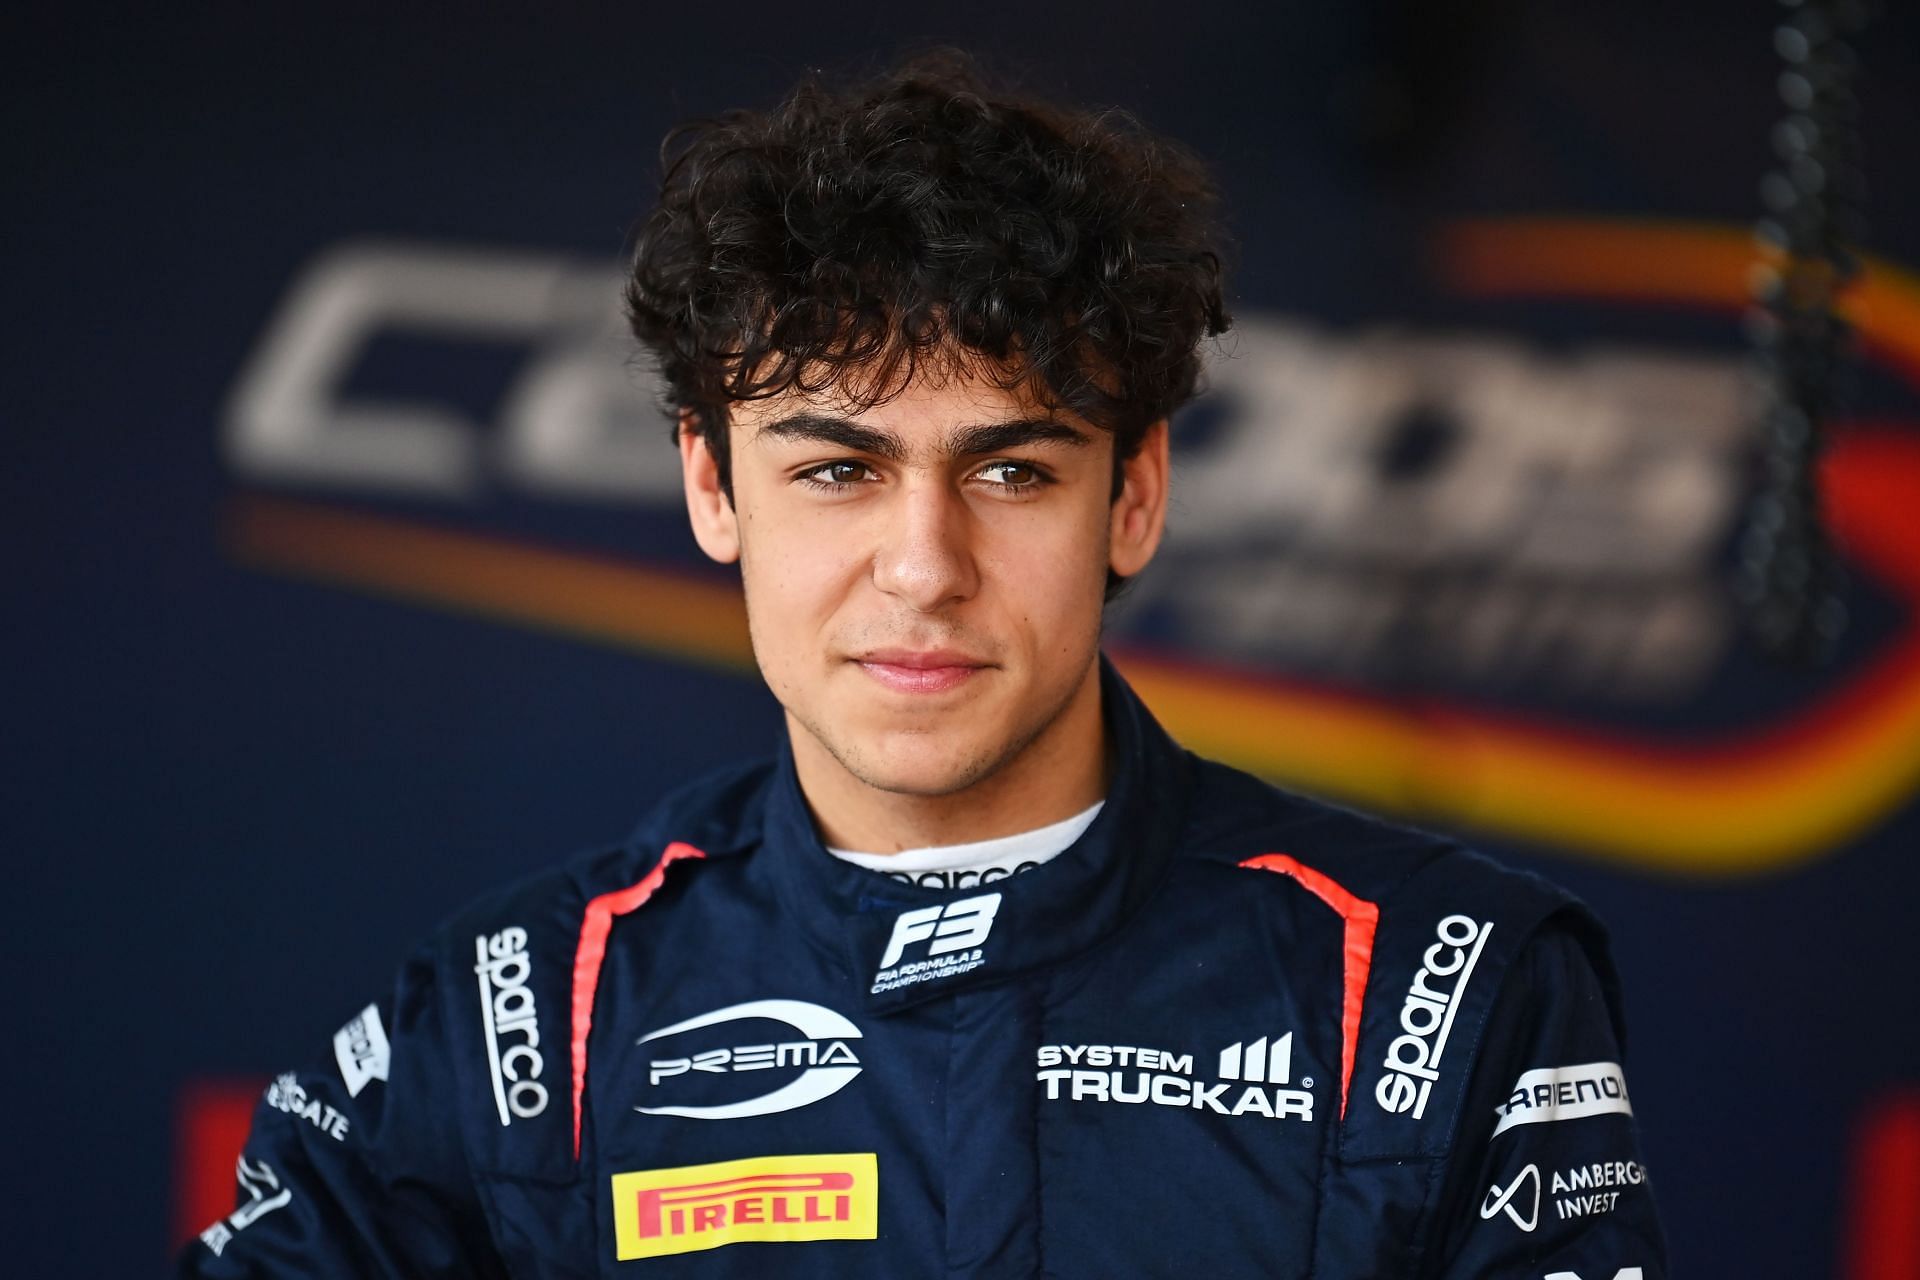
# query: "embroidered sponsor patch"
(362, 1051)
(1564, 1093)
(952, 935)
(771, 1198)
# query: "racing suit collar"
(908, 943)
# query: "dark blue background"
(233, 799)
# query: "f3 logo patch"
(954, 927)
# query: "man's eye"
(836, 475)
(1013, 475)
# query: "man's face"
(923, 579)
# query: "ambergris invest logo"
(766, 1198)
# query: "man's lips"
(921, 671)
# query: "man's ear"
(709, 509)
(1139, 514)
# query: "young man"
(982, 975)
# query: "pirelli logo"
(705, 1206)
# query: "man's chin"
(928, 781)
(922, 765)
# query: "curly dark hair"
(851, 234)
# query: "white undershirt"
(957, 866)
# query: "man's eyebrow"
(995, 437)
(840, 432)
(962, 442)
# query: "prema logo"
(1426, 1018)
(507, 1009)
(361, 1049)
(767, 1198)
(958, 927)
(830, 1064)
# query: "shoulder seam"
(1360, 920)
(596, 923)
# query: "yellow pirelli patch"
(705, 1206)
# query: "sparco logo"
(506, 1010)
(956, 927)
(964, 878)
(830, 1064)
(1426, 1019)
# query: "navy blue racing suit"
(1228, 1032)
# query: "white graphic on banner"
(574, 424)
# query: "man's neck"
(1057, 775)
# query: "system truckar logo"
(1253, 1062)
(1246, 1083)
(768, 1198)
(958, 927)
(1426, 1019)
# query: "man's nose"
(925, 556)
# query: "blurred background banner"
(351, 576)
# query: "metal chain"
(1789, 579)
